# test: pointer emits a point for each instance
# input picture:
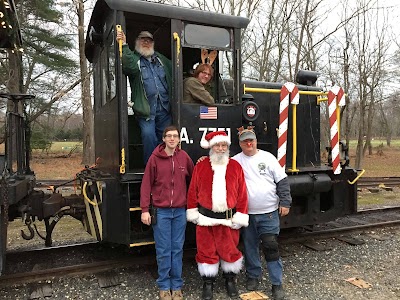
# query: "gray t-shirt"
(261, 171)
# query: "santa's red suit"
(216, 191)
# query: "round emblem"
(251, 111)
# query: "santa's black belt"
(228, 214)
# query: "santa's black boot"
(230, 284)
(208, 286)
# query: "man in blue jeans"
(164, 185)
(269, 197)
(150, 78)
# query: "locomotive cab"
(181, 35)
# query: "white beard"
(219, 163)
(219, 158)
(144, 52)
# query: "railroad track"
(378, 181)
(108, 258)
(362, 220)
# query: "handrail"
(358, 177)
(86, 196)
(178, 45)
(277, 91)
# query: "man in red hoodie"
(164, 185)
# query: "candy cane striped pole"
(340, 102)
(335, 99)
(288, 89)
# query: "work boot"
(165, 295)
(252, 284)
(230, 284)
(208, 286)
(278, 292)
(177, 295)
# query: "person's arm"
(192, 212)
(199, 93)
(145, 192)
(129, 58)
(285, 199)
(241, 217)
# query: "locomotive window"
(207, 36)
(221, 85)
(108, 70)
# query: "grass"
(376, 143)
(65, 146)
(382, 162)
(382, 198)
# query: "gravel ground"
(308, 274)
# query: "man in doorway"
(150, 78)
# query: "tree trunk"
(88, 122)
(370, 116)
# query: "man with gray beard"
(217, 204)
(150, 78)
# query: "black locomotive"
(109, 204)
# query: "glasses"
(205, 73)
(169, 136)
(146, 40)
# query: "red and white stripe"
(335, 99)
(289, 90)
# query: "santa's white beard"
(219, 158)
(143, 51)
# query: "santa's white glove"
(236, 226)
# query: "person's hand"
(236, 226)
(201, 158)
(146, 218)
(283, 211)
(121, 36)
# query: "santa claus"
(217, 203)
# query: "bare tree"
(88, 121)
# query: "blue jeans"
(152, 130)
(259, 225)
(169, 235)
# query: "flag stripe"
(210, 113)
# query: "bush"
(41, 140)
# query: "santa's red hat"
(214, 138)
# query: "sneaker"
(177, 295)
(165, 295)
(252, 284)
(277, 292)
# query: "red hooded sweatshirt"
(166, 179)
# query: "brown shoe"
(177, 295)
(165, 295)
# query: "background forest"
(353, 44)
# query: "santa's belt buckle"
(229, 214)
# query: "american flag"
(209, 113)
